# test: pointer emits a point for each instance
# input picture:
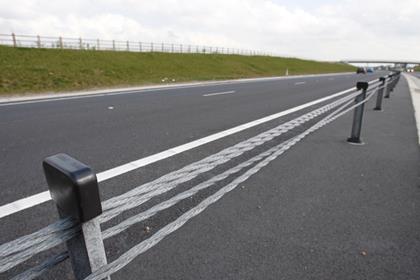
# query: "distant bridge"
(402, 63)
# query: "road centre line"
(110, 92)
(36, 199)
(219, 93)
(300, 83)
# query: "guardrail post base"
(74, 189)
(358, 115)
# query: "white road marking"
(414, 86)
(300, 83)
(219, 93)
(28, 202)
(109, 92)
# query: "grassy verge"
(41, 70)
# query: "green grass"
(417, 68)
(24, 70)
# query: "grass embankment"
(42, 70)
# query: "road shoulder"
(414, 85)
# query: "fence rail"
(37, 41)
(74, 189)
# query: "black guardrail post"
(388, 86)
(74, 189)
(380, 94)
(358, 114)
(396, 79)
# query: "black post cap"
(382, 79)
(362, 85)
(73, 187)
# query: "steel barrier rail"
(74, 189)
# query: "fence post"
(14, 40)
(74, 189)
(97, 44)
(151, 47)
(80, 44)
(380, 94)
(172, 48)
(140, 47)
(163, 47)
(358, 114)
(38, 41)
(60, 41)
(113, 45)
(128, 46)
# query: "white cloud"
(333, 30)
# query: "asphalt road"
(285, 226)
(138, 125)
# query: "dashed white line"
(219, 93)
(9, 101)
(28, 202)
(300, 83)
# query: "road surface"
(326, 210)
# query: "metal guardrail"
(31, 41)
(74, 189)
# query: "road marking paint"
(414, 86)
(219, 93)
(300, 83)
(111, 92)
(28, 202)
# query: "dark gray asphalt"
(307, 216)
(312, 213)
(140, 124)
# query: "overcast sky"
(318, 29)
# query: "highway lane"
(107, 131)
(146, 123)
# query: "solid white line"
(219, 93)
(39, 198)
(300, 83)
(414, 86)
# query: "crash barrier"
(74, 190)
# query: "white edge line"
(28, 202)
(219, 93)
(415, 99)
(8, 101)
(300, 83)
